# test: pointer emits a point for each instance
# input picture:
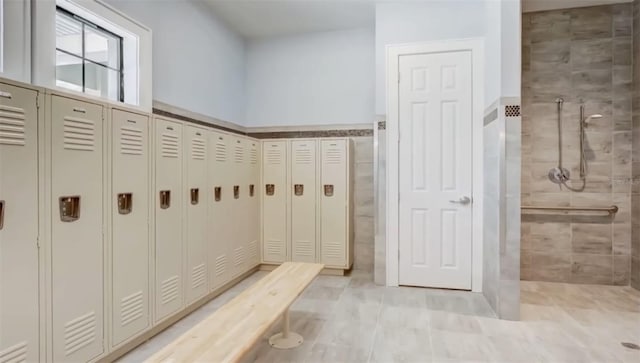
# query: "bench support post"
(287, 339)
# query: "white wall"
(406, 22)
(16, 42)
(198, 63)
(318, 78)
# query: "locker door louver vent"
(131, 308)
(131, 140)
(333, 155)
(79, 333)
(253, 251)
(303, 156)
(169, 290)
(239, 256)
(333, 250)
(239, 154)
(79, 134)
(274, 248)
(12, 126)
(253, 155)
(14, 354)
(221, 265)
(197, 276)
(304, 248)
(221, 151)
(198, 149)
(274, 156)
(170, 145)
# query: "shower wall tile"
(363, 200)
(635, 168)
(585, 56)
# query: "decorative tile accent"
(310, 134)
(512, 111)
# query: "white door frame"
(393, 52)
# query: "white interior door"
(435, 113)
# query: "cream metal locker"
(130, 218)
(274, 201)
(303, 191)
(196, 197)
(168, 231)
(76, 229)
(220, 186)
(335, 233)
(253, 212)
(238, 212)
(19, 192)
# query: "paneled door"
(435, 113)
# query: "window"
(88, 57)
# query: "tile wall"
(364, 206)
(583, 55)
(635, 192)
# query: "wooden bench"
(232, 331)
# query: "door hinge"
(398, 77)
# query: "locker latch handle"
(165, 199)
(298, 189)
(195, 196)
(125, 203)
(217, 191)
(252, 189)
(270, 189)
(69, 208)
(328, 190)
(1, 214)
(236, 192)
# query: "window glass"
(88, 58)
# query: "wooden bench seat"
(232, 331)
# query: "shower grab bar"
(611, 210)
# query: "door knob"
(463, 200)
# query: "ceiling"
(255, 19)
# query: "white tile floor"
(349, 319)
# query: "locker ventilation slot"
(14, 354)
(333, 155)
(303, 156)
(197, 276)
(12, 124)
(198, 149)
(253, 251)
(239, 154)
(130, 140)
(221, 151)
(274, 248)
(239, 256)
(304, 248)
(221, 265)
(169, 290)
(274, 156)
(131, 308)
(79, 333)
(79, 134)
(170, 146)
(333, 250)
(253, 156)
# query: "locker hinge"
(38, 242)
(38, 101)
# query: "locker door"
(274, 202)
(130, 153)
(253, 205)
(168, 199)
(238, 213)
(76, 229)
(303, 200)
(19, 227)
(196, 196)
(333, 203)
(220, 202)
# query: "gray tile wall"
(635, 196)
(364, 207)
(585, 56)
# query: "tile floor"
(350, 319)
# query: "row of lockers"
(307, 202)
(112, 220)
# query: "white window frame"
(393, 53)
(137, 46)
